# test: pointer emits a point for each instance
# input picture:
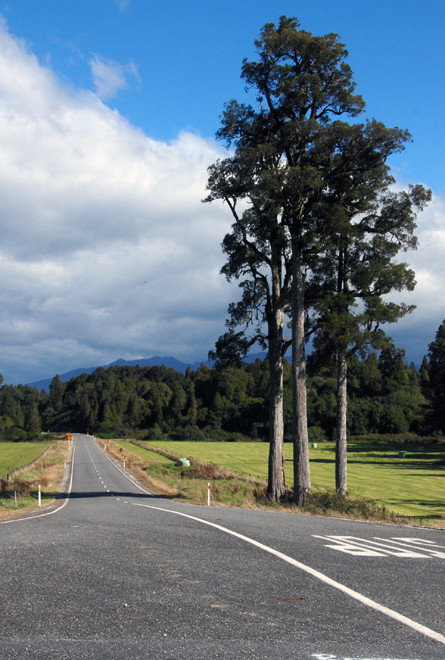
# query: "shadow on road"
(94, 494)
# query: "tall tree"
(436, 371)
(32, 418)
(302, 83)
(368, 226)
(256, 250)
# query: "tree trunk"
(275, 482)
(341, 459)
(302, 480)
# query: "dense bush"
(386, 396)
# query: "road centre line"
(418, 627)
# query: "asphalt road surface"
(119, 574)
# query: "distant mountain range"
(156, 361)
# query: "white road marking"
(126, 475)
(381, 547)
(425, 544)
(328, 656)
(418, 627)
(48, 513)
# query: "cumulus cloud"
(418, 329)
(109, 77)
(106, 250)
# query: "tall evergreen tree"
(32, 418)
(302, 84)
(256, 249)
(436, 371)
(368, 225)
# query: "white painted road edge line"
(49, 513)
(113, 462)
(418, 627)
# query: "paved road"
(119, 574)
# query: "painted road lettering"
(404, 547)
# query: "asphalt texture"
(121, 574)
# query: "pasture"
(16, 454)
(410, 486)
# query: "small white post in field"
(40, 496)
(15, 498)
(124, 464)
(208, 493)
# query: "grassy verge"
(48, 471)
(220, 463)
(159, 472)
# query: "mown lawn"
(410, 486)
(16, 454)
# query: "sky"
(108, 114)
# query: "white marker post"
(40, 496)
(208, 494)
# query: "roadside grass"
(412, 488)
(161, 473)
(48, 471)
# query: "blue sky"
(108, 110)
(187, 58)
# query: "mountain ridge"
(155, 361)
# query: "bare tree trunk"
(275, 482)
(302, 479)
(341, 459)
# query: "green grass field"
(47, 472)
(16, 454)
(411, 486)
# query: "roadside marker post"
(40, 496)
(208, 493)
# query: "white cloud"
(122, 5)
(106, 250)
(110, 77)
(418, 329)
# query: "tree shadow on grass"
(394, 462)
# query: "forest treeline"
(386, 395)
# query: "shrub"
(22, 487)
(316, 434)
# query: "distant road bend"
(118, 573)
